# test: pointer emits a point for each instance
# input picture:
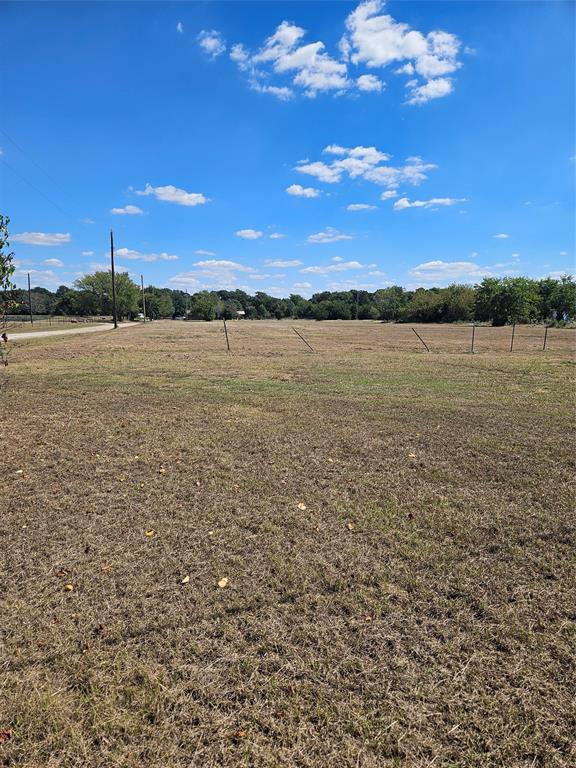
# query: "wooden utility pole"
(114, 312)
(30, 300)
(143, 297)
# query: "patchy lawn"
(362, 556)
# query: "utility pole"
(114, 312)
(30, 300)
(143, 298)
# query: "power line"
(26, 154)
(34, 187)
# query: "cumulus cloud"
(54, 262)
(42, 238)
(211, 42)
(128, 253)
(360, 207)
(171, 194)
(502, 236)
(445, 272)
(286, 63)
(302, 286)
(44, 278)
(201, 252)
(389, 194)
(369, 83)
(282, 263)
(215, 274)
(326, 269)
(248, 234)
(276, 236)
(377, 40)
(297, 190)
(366, 163)
(128, 210)
(329, 235)
(435, 202)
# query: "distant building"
(240, 314)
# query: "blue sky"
(289, 147)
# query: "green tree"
(7, 266)
(96, 294)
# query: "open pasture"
(361, 556)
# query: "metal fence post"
(473, 330)
(545, 338)
(512, 339)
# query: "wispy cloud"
(42, 238)
(54, 262)
(282, 263)
(366, 163)
(326, 269)
(128, 210)
(329, 235)
(297, 190)
(248, 234)
(211, 42)
(171, 194)
(360, 207)
(127, 253)
(502, 236)
(435, 202)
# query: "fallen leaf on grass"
(69, 587)
(19, 471)
(302, 506)
(185, 580)
(223, 582)
(162, 471)
(150, 532)
(198, 483)
(350, 526)
(330, 460)
(412, 455)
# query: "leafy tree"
(7, 266)
(96, 294)
(205, 305)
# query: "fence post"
(512, 339)
(303, 339)
(226, 332)
(545, 337)
(421, 339)
(473, 330)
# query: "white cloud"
(302, 286)
(87, 253)
(377, 273)
(378, 40)
(211, 42)
(44, 278)
(389, 194)
(87, 221)
(201, 252)
(360, 207)
(435, 202)
(215, 274)
(433, 89)
(325, 269)
(180, 27)
(297, 190)
(502, 236)
(54, 262)
(445, 272)
(337, 258)
(171, 194)
(42, 238)
(370, 83)
(276, 236)
(127, 253)
(367, 163)
(128, 210)
(248, 234)
(282, 263)
(285, 63)
(562, 253)
(329, 235)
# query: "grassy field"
(357, 557)
(15, 328)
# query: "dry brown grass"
(418, 612)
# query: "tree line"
(495, 300)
